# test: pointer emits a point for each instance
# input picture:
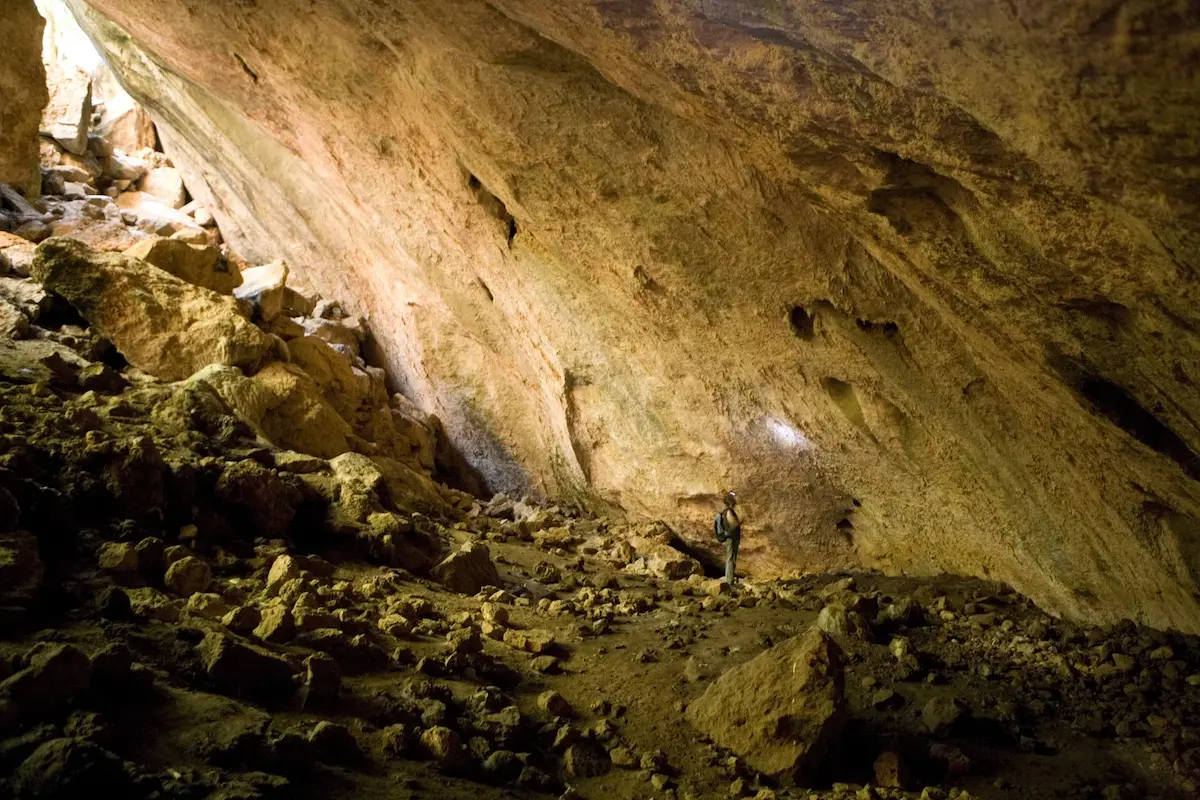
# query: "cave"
(599, 398)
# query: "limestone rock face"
(68, 116)
(161, 324)
(23, 87)
(916, 279)
(781, 710)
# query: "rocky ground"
(230, 567)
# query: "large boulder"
(780, 711)
(265, 288)
(468, 569)
(283, 405)
(67, 118)
(23, 87)
(199, 265)
(161, 324)
(166, 185)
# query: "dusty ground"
(1030, 731)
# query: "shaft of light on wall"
(787, 436)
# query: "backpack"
(719, 528)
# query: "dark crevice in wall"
(494, 206)
(1120, 408)
(801, 323)
(888, 329)
(246, 68)
(1115, 403)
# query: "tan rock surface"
(23, 87)
(782, 709)
(201, 266)
(916, 278)
(67, 118)
(161, 324)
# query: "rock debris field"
(231, 567)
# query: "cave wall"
(23, 94)
(916, 279)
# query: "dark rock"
(334, 744)
(112, 603)
(941, 714)
(70, 769)
(586, 760)
(243, 669)
(55, 674)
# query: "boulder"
(468, 569)
(55, 674)
(264, 288)
(780, 711)
(67, 118)
(844, 623)
(198, 265)
(166, 185)
(21, 568)
(16, 255)
(263, 497)
(23, 87)
(161, 324)
(70, 768)
(151, 215)
(127, 126)
(187, 576)
(244, 669)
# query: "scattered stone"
(244, 669)
(187, 576)
(71, 768)
(119, 558)
(207, 606)
(941, 713)
(276, 625)
(468, 569)
(444, 746)
(56, 673)
(586, 760)
(555, 704)
(264, 288)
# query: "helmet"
(731, 499)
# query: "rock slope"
(918, 280)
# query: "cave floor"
(1033, 723)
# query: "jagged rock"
(187, 576)
(21, 568)
(284, 403)
(16, 254)
(334, 744)
(781, 710)
(940, 714)
(166, 184)
(126, 126)
(322, 680)
(122, 167)
(243, 619)
(266, 498)
(468, 569)
(67, 118)
(207, 605)
(149, 603)
(118, 557)
(276, 625)
(64, 769)
(264, 288)
(151, 216)
(586, 760)
(244, 669)
(39, 361)
(843, 623)
(444, 746)
(202, 266)
(554, 704)
(161, 324)
(56, 673)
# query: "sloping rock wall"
(23, 89)
(916, 279)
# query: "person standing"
(728, 527)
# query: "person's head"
(731, 500)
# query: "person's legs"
(731, 550)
